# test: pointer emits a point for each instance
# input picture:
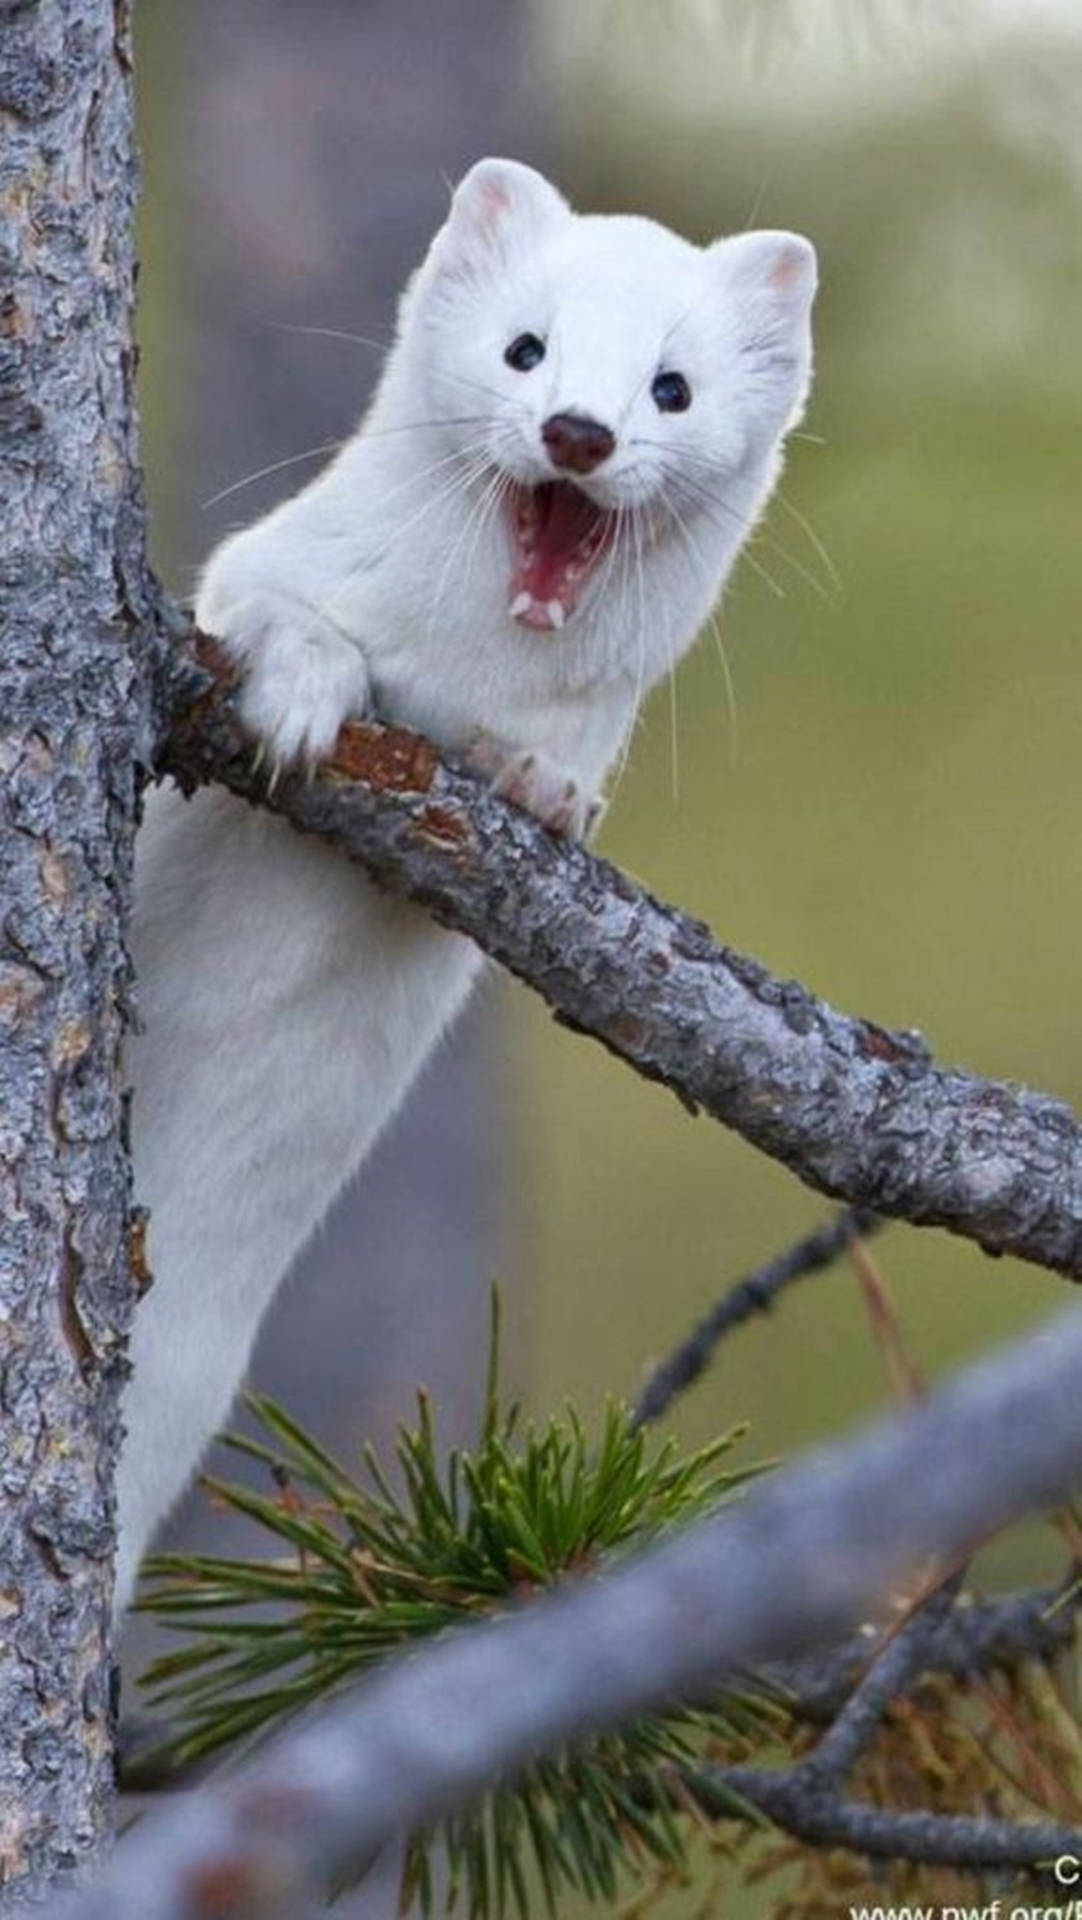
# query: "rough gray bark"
(802, 1560)
(858, 1113)
(822, 1818)
(70, 717)
(981, 1636)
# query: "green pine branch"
(367, 1565)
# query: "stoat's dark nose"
(575, 441)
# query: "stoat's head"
(612, 374)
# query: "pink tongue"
(557, 538)
(564, 517)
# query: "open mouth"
(558, 537)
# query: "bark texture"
(856, 1112)
(70, 721)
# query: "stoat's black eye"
(525, 353)
(671, 393)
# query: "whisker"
(459, 482)
(609, 566)
(276, 466)
(629, 730)
(812, 537)
(331, 333)
(828, 593)
(730, 687)
(706, 292)
(676, 458)
(696, 457)
(695, 552)
(673, 714)
(333, 446)
(621, 596)
(471, 450)
(476, 515)
(657, 358)
(756, 205)
(497, 491)
(707, 503)
(674, 724)
(479, 386)
(416, 426)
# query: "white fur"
(287, 1006)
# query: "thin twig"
(815, 1813)
(905, 1378)
(902, 1657)
(755, 1293)
(980, 1636)
(808, 1799)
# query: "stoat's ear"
(497, 205)
(774, 275)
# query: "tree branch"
(980, 1636)
(812, 1811)
(755, 1293)
(799, 1563)
(808, 1800)
(901, 1658)
(855, 1111)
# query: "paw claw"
(534, 782)
(302, 678)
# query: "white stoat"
(576, 429)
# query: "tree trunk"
(71, 720)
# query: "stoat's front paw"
(302, 677)
(534, 780)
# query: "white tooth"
(556, 613)
(521, 604)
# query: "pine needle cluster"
(370, 1564)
